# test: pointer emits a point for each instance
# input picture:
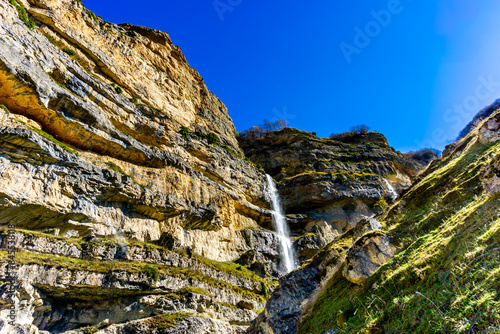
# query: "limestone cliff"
(92, 140)
(326, 185)
(122, 177)
(129, 205)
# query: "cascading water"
(287, 251)
(394, 193)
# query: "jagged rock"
(80, 154)
(297, 290)
(491, 176)
(309, 244)
(248, 258)
(333, 181)
(366, 256)
(490, 131)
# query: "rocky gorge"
(130, 204)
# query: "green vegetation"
(165, 321)
(264, 289)
(4, 108)
(191, 289)
(131, 267)
(445, 279)
(117, 169)
(52, 39)
(118, 90)
(69, 51)
(212, 138)
(60, 84)
(381, 203)
(23, 15)
(344, 175)
(234, 269)
(184, 132)
(151, 272)
(52, 139)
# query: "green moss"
(52, 39)
(344, 175)
(52, 139)
(132, 267)
(191, 289)
(381, 204)
(212, 138)
(118, 90)
(69, 51)
(117, 169)
(445, 278)
(264, 290)
(4, 108)
(232, 269)
(151, 272)
(166, 321)
(23, 15)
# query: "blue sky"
(417, 71)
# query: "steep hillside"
(444, 277)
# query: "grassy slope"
(445, 277)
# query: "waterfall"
(394, 193)
(287, 251)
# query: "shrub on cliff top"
(362, 128)
(266, 127)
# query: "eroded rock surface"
(297, 290)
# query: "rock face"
(92, 139)
(107, 133)
(366, 256)
(131, 205)
(73, 284)
(327, 186)
(357, 252)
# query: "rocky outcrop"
(357, 253)
(327, 186)
(123, 178)
(76, 283)
(423, 157)
(366, 256)
(490, 130)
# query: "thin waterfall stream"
(394, 193)
(287, 252)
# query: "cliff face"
(117, 97)
(117, 213)
(327, 186)
(128, 204)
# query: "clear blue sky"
(421, 76)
